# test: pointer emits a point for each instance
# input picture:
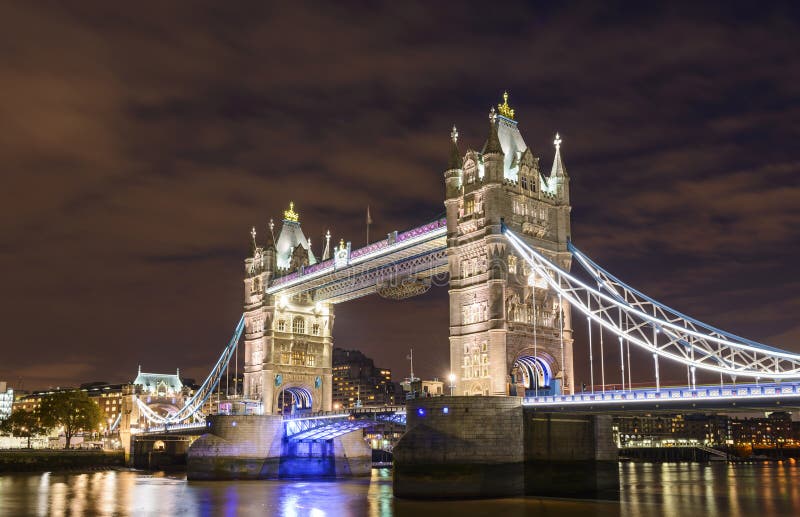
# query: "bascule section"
(509, 333)
(287, 338)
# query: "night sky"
(140, 144)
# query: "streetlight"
(452, 379)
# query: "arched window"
(299, 325)
(315, 329)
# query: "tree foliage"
(72, 410)
(22, 423)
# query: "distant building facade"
(107, 396)
(356, 381)
(6, 400)
(775, 429)
(418, 388)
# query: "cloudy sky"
(139, 145)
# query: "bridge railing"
(169, 427)
(724, 392)
(345, 412)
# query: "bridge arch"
(536, 373)
(294, 398)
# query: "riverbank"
(57, 460)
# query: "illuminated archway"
(293, 399)
(536, 373)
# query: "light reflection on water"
(763, 489)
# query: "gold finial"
(341, 244)
(253, 235)
(291, 215)
(504, 109)
(557, 142)
(454, 134)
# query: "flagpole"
(369, 221)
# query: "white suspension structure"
(639, 320)
(192, 408)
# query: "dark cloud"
(140, 145)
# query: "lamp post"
(452, 379)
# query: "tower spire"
(253, 238)
(455, 155)
(558, 170)
(327, 253)
(492, 144)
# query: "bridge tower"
(288, 341)
(505, 325)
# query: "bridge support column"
(237, 447)
(467, 447)
(254, 447)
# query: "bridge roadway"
(726, 397)
(304, 426)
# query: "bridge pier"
(467, 447)
(254, 447)
(159, 452)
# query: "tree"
(72, 410)
(22, 423)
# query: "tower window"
(469, 207)
(299, 325)
(282, 325)
(315, 329)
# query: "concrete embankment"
(43, 460)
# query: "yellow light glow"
(291, 215)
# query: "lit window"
(299, 325)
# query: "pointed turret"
(327, 253)
(492, 154)
(492, 144)
(558, 170)
(559, 179)
(270, 239)
(455, 156)
(452, 176)
(253, 243)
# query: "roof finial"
(291, 215)
(557, 142)
(506, 110)
(341, 244)
(253, 235)
(492, 115)
(454, 134)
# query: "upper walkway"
(417, 253)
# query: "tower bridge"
(505, 251)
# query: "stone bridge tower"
(505, 325)
(288, 341)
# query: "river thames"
(763, 489)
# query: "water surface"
(761, 489)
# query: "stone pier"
(254, 447)
(469, 447)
